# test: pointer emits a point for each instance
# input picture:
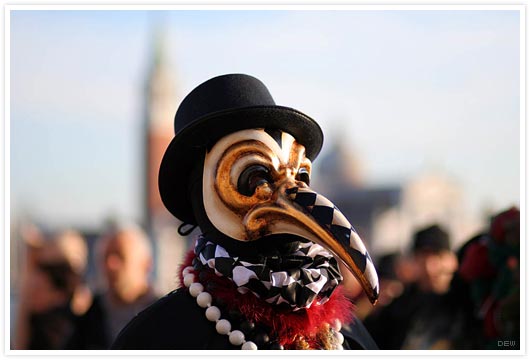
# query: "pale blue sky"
(411, 91)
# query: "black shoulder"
(174, 322)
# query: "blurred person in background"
(125, 256)
(436, 263)
(467, 330)
(52, 291)
(489, 277)
(420, 318)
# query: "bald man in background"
(125, 257)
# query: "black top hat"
(216, 108)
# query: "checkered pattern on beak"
(349, 246)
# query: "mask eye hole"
(303, 175)
(252, 177)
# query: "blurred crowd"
(430, 296)
(434, 298)
(56, 307)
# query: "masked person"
(264, 272)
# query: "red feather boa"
(286, 323)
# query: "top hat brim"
(190, 144)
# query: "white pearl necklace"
(224, 327)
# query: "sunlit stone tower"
(162, 100)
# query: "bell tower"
(161, 101)
(161, 105)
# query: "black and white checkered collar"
(307, 274)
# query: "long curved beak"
(304, 212)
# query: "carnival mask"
(255, 184)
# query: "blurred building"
(162, 100)
(387, 216)
(427, 198)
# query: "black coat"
(176, 322)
